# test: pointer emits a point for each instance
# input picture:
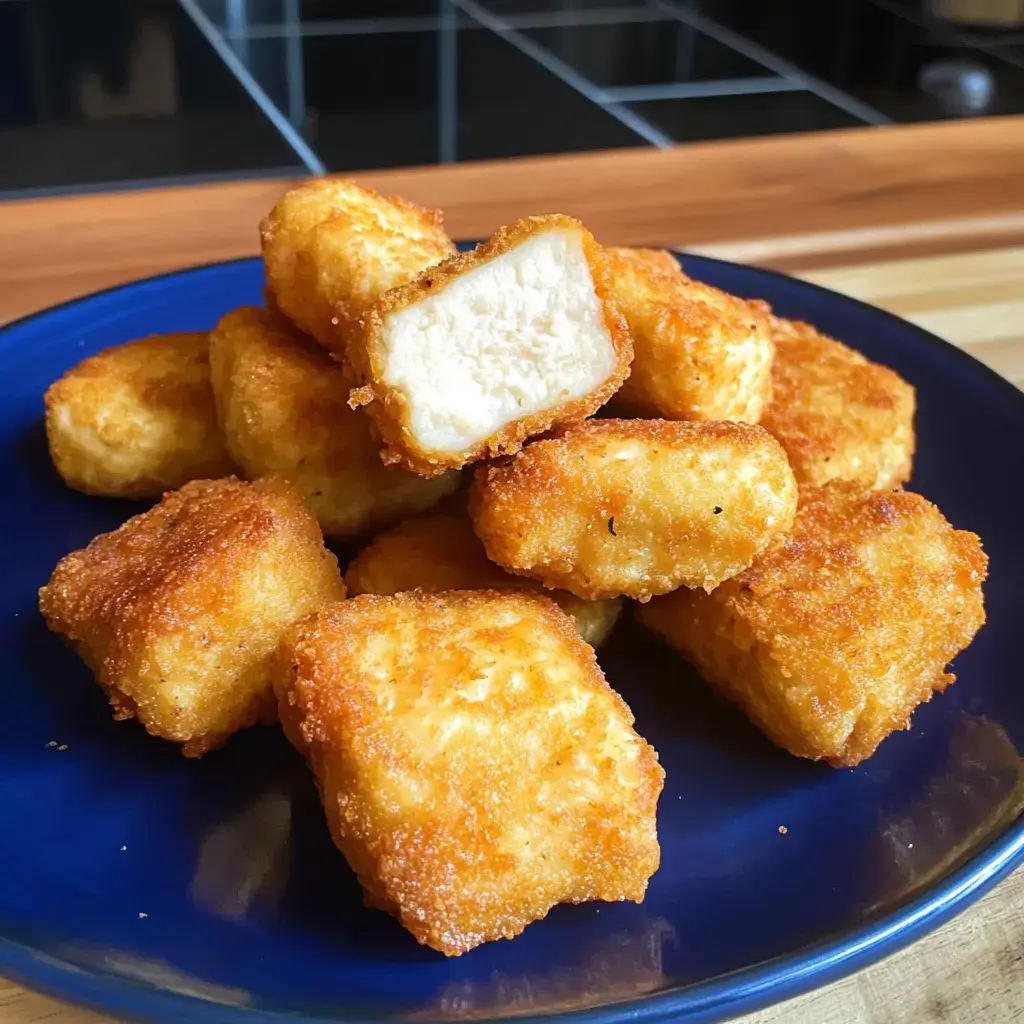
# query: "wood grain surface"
(792, 202)
(838, 208)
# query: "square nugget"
(475, 767)
(830, 640)
(442, 552)
(838, 415)
(179, 611)
(137, 419)
(332, 247)
(699, 353)
(283, 403)
(492, 347)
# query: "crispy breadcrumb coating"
(492, 347)
(138, 419)
(636, 507)
(830, 640)
(441, 552)
(659, 262)
(838, 415)
(699, 353)
(179, 611)
(332, 247)
(283, 405)
(475, 767)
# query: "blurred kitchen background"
(108, 93)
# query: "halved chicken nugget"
(332, 247)
(474, 765)
(830, 640)
(138, 419)
(492, 347)
(699, 353)
(838, 415)
(636, 507)
(441, 552)
(179, 611)
(283, 405)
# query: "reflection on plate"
(620, 966)
(977, 797)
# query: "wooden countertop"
(927, 221)
(791, 202)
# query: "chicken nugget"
(838, 415)
(699, 353)
(492, 347)
(636, 507)
(830, 640)
(475, 767)
(332, 247)
(659, 262)
(138, 419)
(179, 611)
(441, 552)
(283, 405)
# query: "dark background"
(105, 92)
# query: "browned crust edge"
(343, 315)
(388, 407)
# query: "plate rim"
(741, 991)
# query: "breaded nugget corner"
(831, 639)
(699, 353)
(659, 262)
(838, 415)
(283, 404)
(179, 611)
(137, 419)
(332, 247)
(441, 552)
(492, 347)
(475, 767)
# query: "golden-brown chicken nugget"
(283, 406)
(138, 419)
(441, 552)
(636, 507)
(699, 353)
(830, 640)
(651, 261)
(179, 611)
(492, 347)
(475, 767)
(838, 415)
(332, 247)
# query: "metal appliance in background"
(992, 13)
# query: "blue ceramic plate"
(151, 886)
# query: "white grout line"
(350, 27)
(773, 62)
(695, 90)
(431, 23)
(236, 21)
(563, 71)
(447, 84)
(287, 131)
(294, 73)
(578, 18)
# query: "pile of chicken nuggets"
(741, 490)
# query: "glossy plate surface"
(156, 887)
